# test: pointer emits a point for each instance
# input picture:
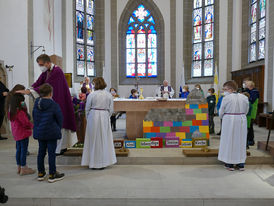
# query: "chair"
(270, 128)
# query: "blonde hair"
(186, 87)
(250, 83)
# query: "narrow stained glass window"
(141, 44)
(203, 38)
(85, 37)
(257, 30)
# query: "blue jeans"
(43, 146)
(21, 152)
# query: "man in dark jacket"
(211, 100)
(48, 120)
(3, 93)
(254, 100)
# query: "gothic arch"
(159, 26)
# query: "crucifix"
(137, 79)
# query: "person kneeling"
(48, 120)
(233, 111)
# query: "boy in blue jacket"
(48, 119)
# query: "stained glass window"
(141, 44)
(85, 37)
(257, 30)
(203, 38)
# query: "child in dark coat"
(48, 122)
(211, 100)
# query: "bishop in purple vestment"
(54, 76)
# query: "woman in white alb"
(233, 112)
(99, 149)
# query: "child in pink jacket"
(21, 129)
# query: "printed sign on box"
(156, 142)
(200, 142)
(118, 144)
(143, 143)
(172, 141)
(130, 144)
(186, 143)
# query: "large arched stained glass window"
(203, 38)
(257, 30)
(85, 37)
(141, 44)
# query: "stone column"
(237, 35)
(107, 63)
(269, 56)
(223, 41)
(180, 78)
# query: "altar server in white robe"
(234, 127)
(99, 149)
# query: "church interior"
(161, 61)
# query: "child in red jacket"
(21, 129)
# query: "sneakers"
(41, 176)
(26, 171)
(18, 170)
(229, 167)
(241, 167)
(56, 177)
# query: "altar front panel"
(136, 111)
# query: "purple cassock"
(61, 94)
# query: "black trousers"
(211, 123)
(2, 115)
(250, 133)
(113, 122)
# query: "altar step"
(139, 201)
(270, 148)
(168, 156)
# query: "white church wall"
(47, 17)
(69, 37)
(14, 39)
